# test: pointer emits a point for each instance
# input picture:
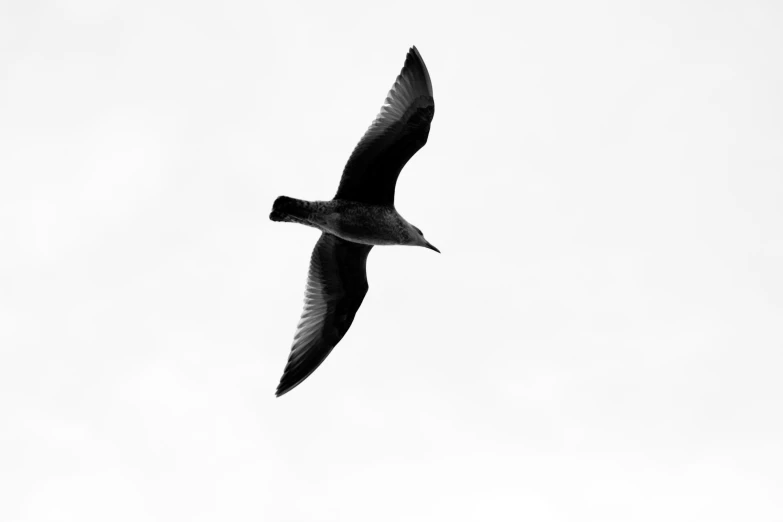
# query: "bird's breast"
(368, 224)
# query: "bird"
(360, 216)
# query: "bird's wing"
(399, 130)
(336, 286)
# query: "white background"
(600, 339)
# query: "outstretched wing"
(336, 286)
(399, 130)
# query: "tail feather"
(289, 210)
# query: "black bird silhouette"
(360, 215)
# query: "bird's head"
(417, 239)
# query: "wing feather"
(336, 286)
(396, 134)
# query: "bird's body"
(361, 215)
(350, 220)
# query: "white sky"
(600, 339)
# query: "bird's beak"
(428, 245)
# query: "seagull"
(360, 215)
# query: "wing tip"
(280, 391)
(287, 383)
(414, 60)
(292, 377)
(413, 53)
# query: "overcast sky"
(599, 341)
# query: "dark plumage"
(361, 215)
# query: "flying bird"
(360, 215)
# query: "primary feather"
(396, 134)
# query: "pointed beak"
(431, 247)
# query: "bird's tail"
(290, 210)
